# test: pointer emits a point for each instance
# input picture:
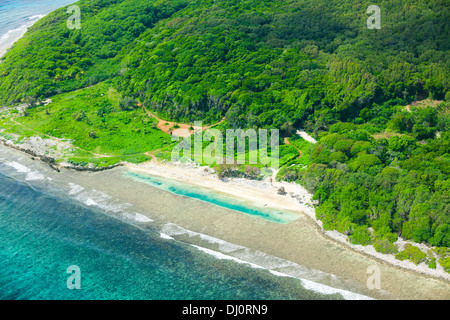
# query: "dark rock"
(281, 191)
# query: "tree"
(128, 103)
(364, 162)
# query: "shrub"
(383, 245)
(360, 235)
(363, 162)
(445, 263)
(432, 264)
(360, 146)
(444, 257)
(412, 253)
(128, 103)
(342, 127)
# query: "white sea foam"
(21, 29)
(172, 229)
(11, 32)
(222, 256)
(307, 284)
(19, 167)
(102, 201)
(36, 17)
(223, 245)
(165, 236)
(256, 259)
(141, 218)
(10, 37)
(175, 230)
(239, 252)
(33, 176)
(280, 274)
(89, 202)
(136, 217)
(75, 189)
(323, 289)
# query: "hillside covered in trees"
(379, 169)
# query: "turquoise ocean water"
(42, 233)
(219, 200)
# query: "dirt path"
(286, 141)
(184, 130)
(423, 104)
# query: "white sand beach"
(265, 194)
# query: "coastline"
(264, 194)
(28, 15)
(304, 251)
(297, 199)
(4, 47)
(258, 193)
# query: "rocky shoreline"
(52, 161)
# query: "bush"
(360, 235)
(445, 263)
(128, 103)
(432, 264)
(363, 162)
(341, 127)
(383, 245)
(412, 253)
(444, 257)
(441, 236)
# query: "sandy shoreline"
(6, 45)
(17, 34)
(297, 248)
(262, 194)
(297, 199)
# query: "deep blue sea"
(43, 232)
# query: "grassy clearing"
(386, 135)
(296, 163)
(91, 120)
